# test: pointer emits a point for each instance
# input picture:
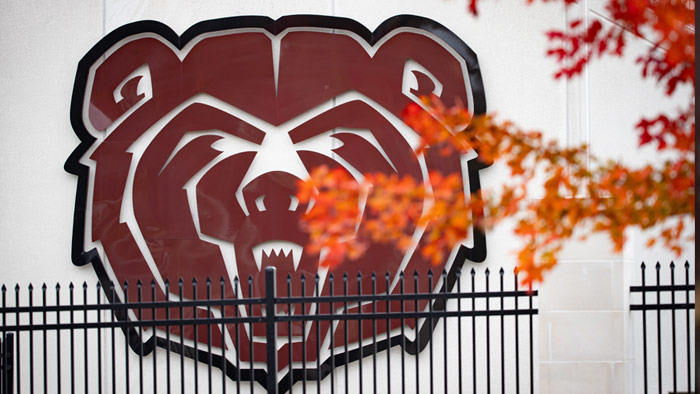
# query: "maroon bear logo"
(192, 147)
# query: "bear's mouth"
(276, 252)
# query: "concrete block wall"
(582, 336)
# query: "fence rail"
(652, 306)
(326, 335)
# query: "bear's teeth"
(277, 249)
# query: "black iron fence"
(667, 313)
(444, 333)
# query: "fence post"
(2, 365)
(7, 351)
(271, 342)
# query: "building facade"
(587, 340)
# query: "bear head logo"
(192, 147)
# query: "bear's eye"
(228, 144)
(334, 144)
(232, 144)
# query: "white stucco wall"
(585, 331)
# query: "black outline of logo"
(80, 257)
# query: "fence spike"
(85, 285)
(458, 273)
(473, 272)
(487, 272)
(31, 286)
(17, 287)
(194, 281)
(208, 281)
(415, 274)
(345, 276)
(58, 286)
(687, 264)
(672, 265)
(222, 280)
(166, 282)
(153, 283)
(644, 266)
(139, 284)
(43, 287)
(401, 275)
(374, 275)
(70, 286)
(658, 265)
(359, 276)
(303, 278)
(501, 271)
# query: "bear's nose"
(273, 191)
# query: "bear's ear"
(418, 81)
(132, 72)
(426, 66)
